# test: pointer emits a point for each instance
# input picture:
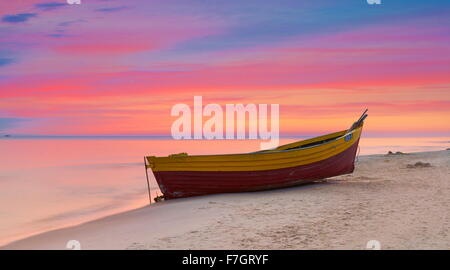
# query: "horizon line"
(154, 136)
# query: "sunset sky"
(117, 67)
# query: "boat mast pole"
(148, 183)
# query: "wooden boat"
(183, 175)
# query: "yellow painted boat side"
(265, 160)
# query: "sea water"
(52, 182)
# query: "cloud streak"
(8, 123)
(6, 61)
(50, 5)
(18, 18)
(112, 9)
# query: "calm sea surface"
(49, 183)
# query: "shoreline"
(383, 200)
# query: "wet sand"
(394, 199)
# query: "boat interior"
(319, 140)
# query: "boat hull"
(178, 184)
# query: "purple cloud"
(113, 9)
(50, 5)
(68, 23)
(17, 18)
(57, 35)
(7, 123)
(5, 61)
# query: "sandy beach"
(399, 200)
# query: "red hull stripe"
(178, 184)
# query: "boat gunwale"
(268, 151)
